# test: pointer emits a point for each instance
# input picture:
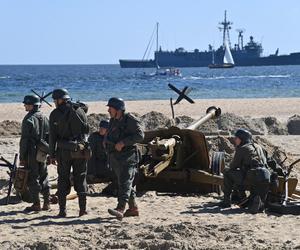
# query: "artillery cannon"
(177, 160)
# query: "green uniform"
(127, 130)
(98, 164)
(241, 168)
(33, 125)
(68, 126)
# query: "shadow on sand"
(213, 208)
(47, 220)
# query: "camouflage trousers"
(37, 179)
(233, 180)
(124, 167)
(258, 181)
(79, 167)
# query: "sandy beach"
(166, 221)
(281, 108)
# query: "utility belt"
(78, 149)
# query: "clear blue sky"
(99, 31)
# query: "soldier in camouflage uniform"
(248, 167)
(34, 126)
(68, 130)
(123, 133)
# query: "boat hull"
(221, 66)
(137, 63)
(202, 59)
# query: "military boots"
(226, 202)
(46, 205)
(256, 205)
(118, 212)
(82, 205)
(133, 209)
(62, 201)
(36, 207)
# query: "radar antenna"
(226, 26)
(240, 38)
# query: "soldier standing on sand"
(68, 129)
(123, 133)
(35, 126)
(247, 167)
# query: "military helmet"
(104, 124)
(32, 100)
(244, 135)
(60, 94)
(117, 103)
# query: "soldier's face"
(28, 107)
(112, 112)
(237, 141)
(58, 102)
(102, 131)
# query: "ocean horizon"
(98, 82)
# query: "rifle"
(12, 173)
(43, 96)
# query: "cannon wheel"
(217, 165)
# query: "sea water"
(99, 82)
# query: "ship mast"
(157, 24)
(226, 26)
(240, 38)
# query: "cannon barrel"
(211, 112)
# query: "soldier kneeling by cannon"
(248, 168)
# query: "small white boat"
(167, 72)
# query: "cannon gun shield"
(188, 166)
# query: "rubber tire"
(217, 165)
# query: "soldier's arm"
(237, 160)
(27, 127)
(84, 121)
(46, 129)
(52, 136)
(136, 133)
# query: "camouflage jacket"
(244, 156)
(66, 123)
(127, 130)
(31, 132)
